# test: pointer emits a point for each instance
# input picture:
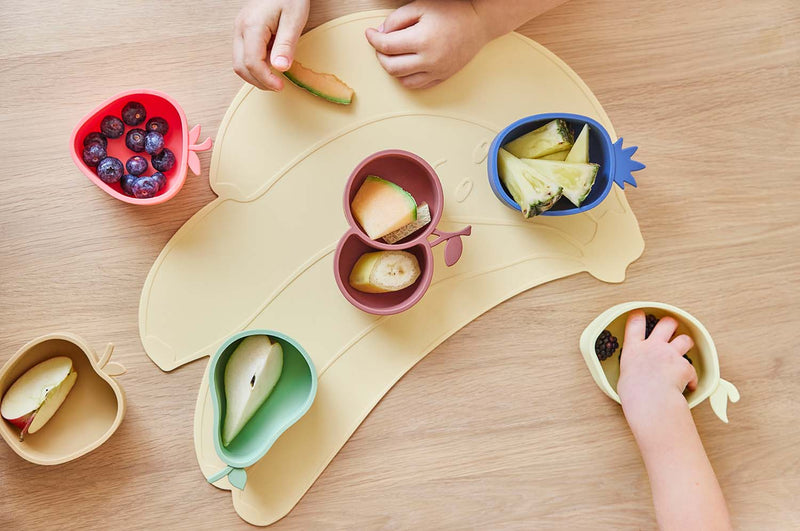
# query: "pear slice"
(34, 397)
(251, 374)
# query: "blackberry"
(133, 113)
(605, 345)
(112, 127)
(650, 323)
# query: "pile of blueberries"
(150, 140)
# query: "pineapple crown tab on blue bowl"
(616, 163)
(288, 401)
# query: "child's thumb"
(290, 26)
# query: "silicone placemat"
(261, 255)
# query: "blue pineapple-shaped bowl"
(616, 163)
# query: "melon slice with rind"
(381, 207)
(423, 218)
(326, 86)
(575, 179)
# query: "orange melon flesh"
(325, 86)
(381, 207)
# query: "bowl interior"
(699, 354)
(408, 171)
(87, 414)
(351, 249)
(289, 400)
(600, 152)
(175, 140)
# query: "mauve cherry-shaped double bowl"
(418, 178)
(179, 139)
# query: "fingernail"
(380, 28)
(280, 62)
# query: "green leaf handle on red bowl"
(193, 159)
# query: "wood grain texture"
(501, 426)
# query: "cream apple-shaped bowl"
(703, 355)
(91, 412)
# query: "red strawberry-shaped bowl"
(179, 139)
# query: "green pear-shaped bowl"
(286, 404)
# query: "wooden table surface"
(502, 425)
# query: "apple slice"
(251, 373)
(35, 396)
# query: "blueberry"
(112, 127)
(110, 170)
(160, 179)
(95, 138)
(158, 125)
(136, 165)
(144, 187)
(153, 142)
(163, 161)
(126, 182)
(135, 140)
(93, 154)
(133, 113)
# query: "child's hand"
(427, 41)
(263, 25)
(652, 370)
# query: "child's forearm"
(500, 17)
(686, 493)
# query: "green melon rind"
(315, 92)
(408, 197)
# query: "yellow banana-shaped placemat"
(261, 255)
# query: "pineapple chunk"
(533, 193)
(552, 137)
(580, 149)
(575, 179)
(561, 155)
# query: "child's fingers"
(682, 344)
(691, 384)
(635, 327)
(396, 43)
(400, 65)
(400, 18)
(255, 57)
(290, 27)
(415, 81)
(238, 62)
(664, 329)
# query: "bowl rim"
(590, 333)
(501, 138)
(179, 178)
(424, 279)
(91, 355)
(268, 442)
(438, 193)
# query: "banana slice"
(384, 271)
